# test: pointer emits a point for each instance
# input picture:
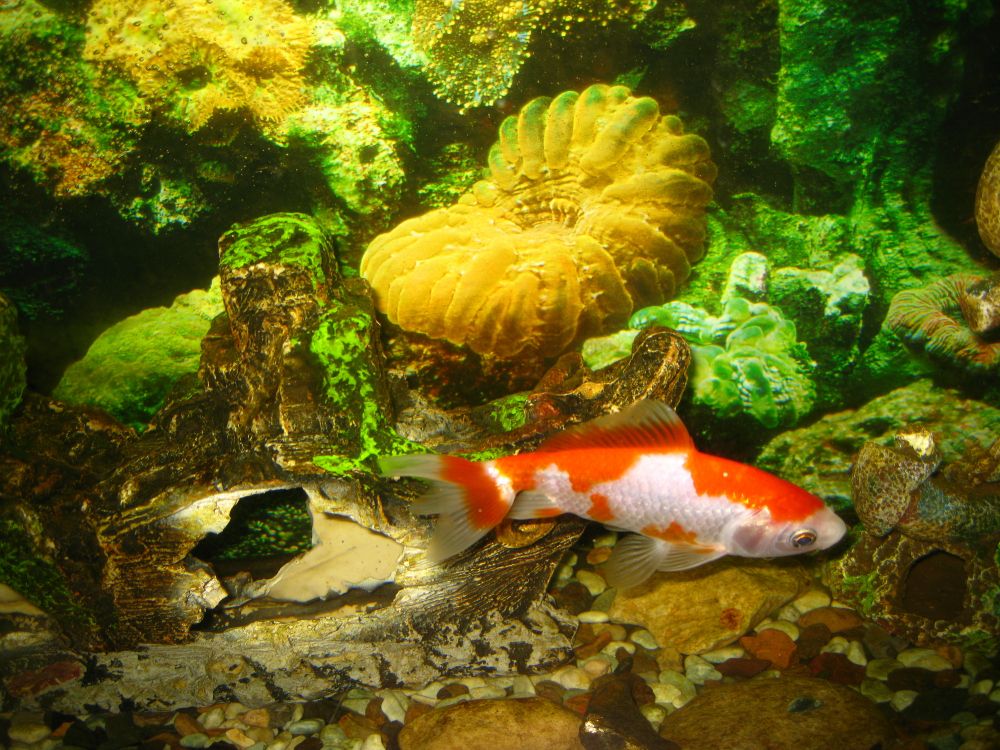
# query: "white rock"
(612, 648)
(234, 709)
(572, 678)
(564, 573)
(719, 655)
(687, 689)
(472, 682)
(592, 616)
(654, 713)
(924, 657)
(28, 732)
(487, 691)
(812, 599)
(700, 671)
(666, 694)
(373, 742)
(594, 583)
(901, 699)
(982, 687)
(394, 705)
(597, 665)
(644, 638)
(856, 653)
(789, 613)
(212, 719)
(607, 539)
(357, 705)
(836, 645)
(523, 686)
(875, 690)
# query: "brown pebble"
(598, 555)
(773, 645)
(594, 647)
(584, 634)
(837, 668)
(573, 597)
(163, 739)
(952, 654)
(947, 678)
(256, 717)
(374, 712)
(310, 743)
(812, 639)
(642, 693)
(415, 710)
(644, 661)
(879, 642)
(453, 690)
(743, 667)
(550, 690)
(239, 738)
(357, 727)
(910, 678)
(838, 619)
(578, 703)
(185, 725)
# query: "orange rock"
(186, 725)
(838, 619)
(772, 645)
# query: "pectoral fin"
(637, 557)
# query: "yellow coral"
(595, 205)
(988, 202)
(475, 47)
(206, 56)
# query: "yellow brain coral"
(595, 205)
(988, 202)
(205, 56)
(475, 47)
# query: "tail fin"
(466, 498)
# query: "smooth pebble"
(700, 671)
(487, 692)
(28, 732)
(572, 678)
(522, 686)
(856, 653)
(592, 616)
(644, 638)
(788, 628)
(373, 742)
(612, 648)
(812, 599)
(196, 740)
(666, 694)
(594, 583)
(836, 645)
(876, 690)
(212, 719)
(654, 713)
(597, 665)
(879, 669)
(305, 727)
(983, 687)
(901, 699)
(719, 655)
(394, 705)
(604, 600)
(924, 657)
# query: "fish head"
(758, 535)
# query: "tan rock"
(500, 724)
(793, 713)
(698, 610)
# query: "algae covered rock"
(13, 372)
(130, 368)
(819, 457)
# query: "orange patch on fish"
(600, 508)
(585, 467)
(673, 533)
(751, 487)
(485, 505)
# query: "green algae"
(294, 238)
(275, 523)
(13, 371)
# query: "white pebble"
(856, 653)
(879, 669)
(788, 628)
(212, 719)
(523, 686)
(901, 699)
(654, 713)
(875, 690)
(572, 678)
(687, 689)
(594, 583)
(789, 613)
(472, 682)
(394, 704)
(28, 732)
(836, 645)
(924, 657)
(357, 705)
(983, 687)
(487, 691)
(607, 539)
(644, 638)
(664, 694)
(234, 709)
(597, 665)
(592, 616)
(564, 573)
(373, 742)
(812, 599)
(700, 671)
(297, 712)
(612, 648)
(445, 702)
(719, 655)
(332, 734)
(604, 600)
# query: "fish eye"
(803, 538)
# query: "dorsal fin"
(644, 424)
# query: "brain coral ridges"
(594, 205)
(199, 57)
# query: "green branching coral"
(475, 47)
(746, 360)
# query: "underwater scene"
(503, 374)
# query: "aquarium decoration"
(257, 255)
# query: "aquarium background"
(832, 267)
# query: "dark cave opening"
(935, 587)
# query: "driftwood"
(293, 399)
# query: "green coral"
(747, 360)
(131, 367)
(275, 523)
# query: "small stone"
(373, 742)
(876, 690)
(788, 628)
(995, 696)
(879, 642)
(196, 740)
(974, 663)
(982, 687)
(837, 669)
(879, 669)
(573, 597)
(664, 694)
(452, 690)
(597, 665)
(910, 678)
(522, 687)
(812, 639)
(925, 658)
(260, 734)
(654, 713)
(773, 645)
(644, 638)
(719, 655)
(964, 718)
(233, 710)
(487, 691)
(186, 724)
(213, 718)
(332, 734)
(257, 717)
(700, 671)
(743, 668)
(836, 645)
(685, 686)
(239, 738)
(598, 555)
(613, 647)
(28, 732)
(304, 727)
(902, 699)
(592, 616)
(594, 583)
(856, 653)
(604, 601)
(810, 600)
(572, 678)
(837, 619)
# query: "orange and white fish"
(639, 471)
